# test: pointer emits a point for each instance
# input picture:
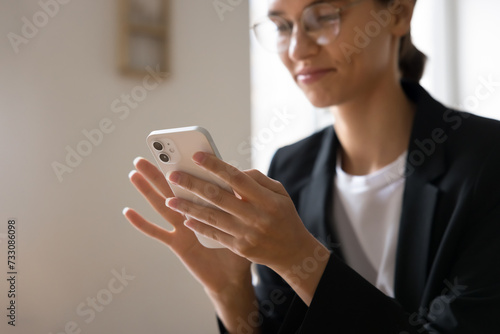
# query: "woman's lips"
(311, 76)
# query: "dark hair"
(411, 60)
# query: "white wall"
(460, 38)
(71, 234)
(478, 55)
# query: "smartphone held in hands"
(173, 150)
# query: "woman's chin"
(322, 100)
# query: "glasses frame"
(338, 11)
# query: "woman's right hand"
(220, 271)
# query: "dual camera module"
(164, 157)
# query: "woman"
(387, 222)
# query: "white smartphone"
(173, 150)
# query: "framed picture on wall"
(143, 36)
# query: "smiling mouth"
(314, 76)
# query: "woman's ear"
(402, 13)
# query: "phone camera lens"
(158, 146)
(164, 157)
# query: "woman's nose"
(301, 44)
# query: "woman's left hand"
(258, 220)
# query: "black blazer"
(447, 277)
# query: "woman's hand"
(257, 221)
(224, 275)
(220, 271)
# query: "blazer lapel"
(413, 243)
(425, 162)
(315, 203)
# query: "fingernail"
(125, 210)
(136, 160)
(199, 157)
(167, 202)
(173, 177)
(189, 224)
(132, 172)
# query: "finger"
(209, 192)
(210, 216)
(154, 175)
(241, 183)
(266, 181)
(154, 198)
(210, 232)
(146, 227)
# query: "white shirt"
(367, 211)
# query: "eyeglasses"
(320, 21)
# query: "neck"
(374, 129)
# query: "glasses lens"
(322, 22)
(273, 34)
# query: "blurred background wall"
(72, 237)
